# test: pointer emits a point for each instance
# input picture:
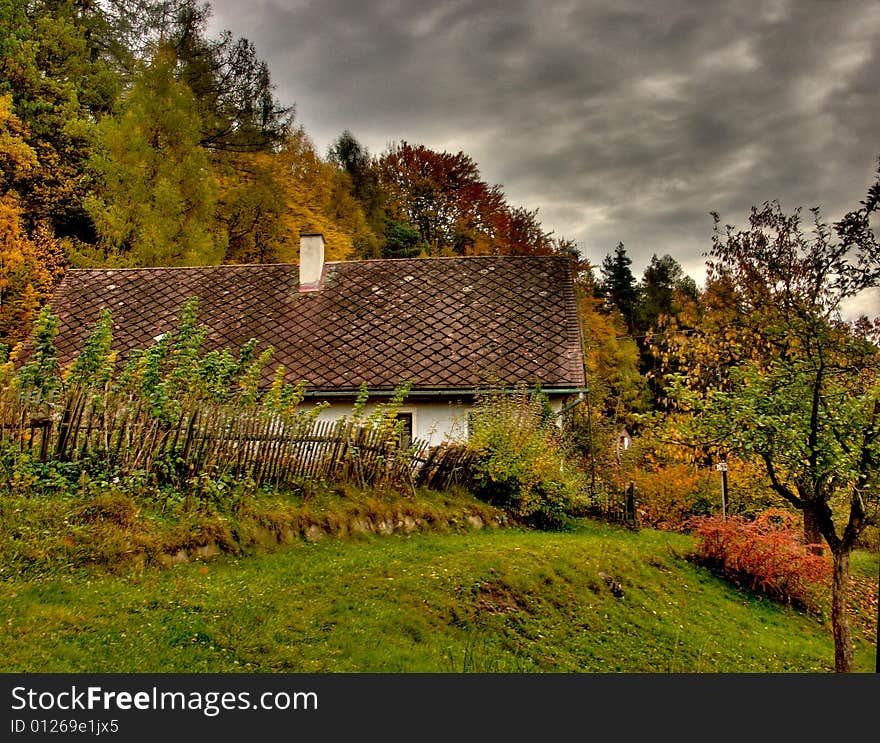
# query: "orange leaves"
(455, 211)
(669, 496)
(767, 555)
(29, 265)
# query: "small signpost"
(722, 468)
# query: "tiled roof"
(443, 324)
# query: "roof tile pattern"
(442, 324)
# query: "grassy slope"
(489, 601)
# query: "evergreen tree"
(231, 86)
(664, 288)
(355, 162)
(156, 192)
(618, 285)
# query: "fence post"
(630, 505)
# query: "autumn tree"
(30, 265)
(616, 389)
(517, 231)
(797, 388)
(31, 260)
(250, 207)
(155, 191)
(455, 212)
(313, 198)
(438, 193)
(60, 84)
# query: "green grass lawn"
(496, 600)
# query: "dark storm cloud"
(620, 120)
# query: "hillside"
(594, 599)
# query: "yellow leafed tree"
(29, 263)
(29, 267)
(269, 198)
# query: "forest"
(131, 137)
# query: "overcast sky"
(620, 120)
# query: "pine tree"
(664, 289)
(618, 285)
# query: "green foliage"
(175, 372)
(663, 289)
(402, 241)
(39, 375)
(195, 428)
(231, 85)
(769, 413)
(520, 464)
(362, 180)
(95, 364)
(156, 193)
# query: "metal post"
(724, 493)
(722, 468)
(592, 449)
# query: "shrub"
(669, 496)
(519, 465)
(674, 483)
(767, 554)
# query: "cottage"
(448, 326)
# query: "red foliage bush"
(767, 555)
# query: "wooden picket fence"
(123, 436)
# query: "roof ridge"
(452, 258)
(181, 268)
(291, 263)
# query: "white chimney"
(311, 261)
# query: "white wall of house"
(435, 422)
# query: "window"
(406, 435)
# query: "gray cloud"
(620, 120)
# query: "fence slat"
(218, 439)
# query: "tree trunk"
(812, 533)
(843, 647)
